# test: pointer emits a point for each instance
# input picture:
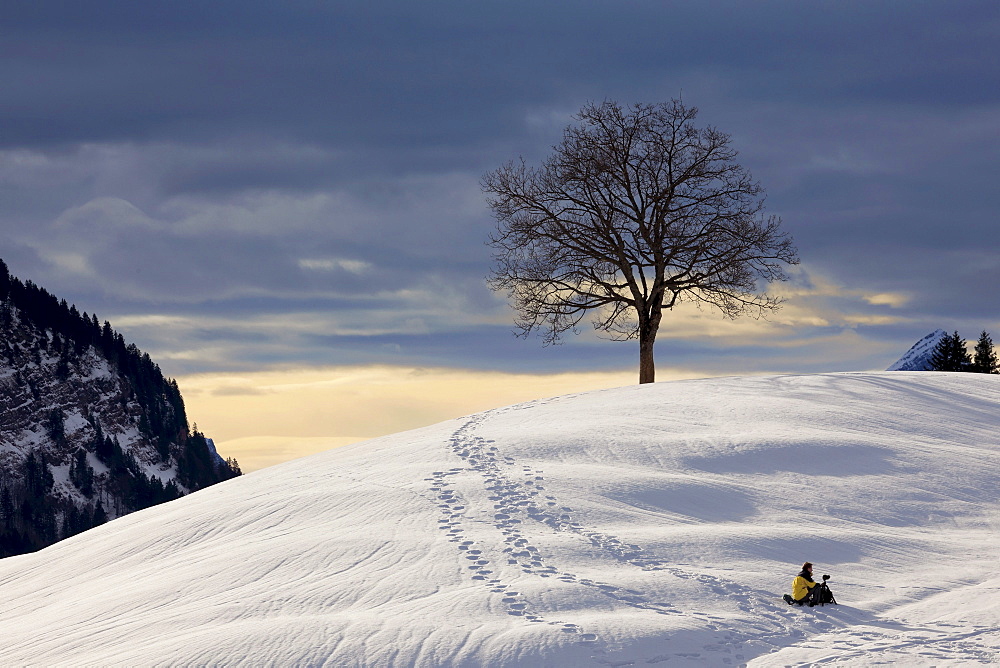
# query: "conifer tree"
(6, 510)
(984, 359)
(950, 354)
(234, 466)
(100, 515)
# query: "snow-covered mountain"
(918, 357)
(89, 427)
(647, 525)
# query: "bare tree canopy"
(635, 211)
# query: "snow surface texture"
(918, 357)
(646, 525)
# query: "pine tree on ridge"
(951, 354)
(984, 358)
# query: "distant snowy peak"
(918, 358)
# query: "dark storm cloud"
(258, 159)
(362, 75)
(411, 74)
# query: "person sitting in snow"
(804, 587)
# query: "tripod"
(824, 594)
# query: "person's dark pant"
(810, 599)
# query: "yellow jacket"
(801, 587)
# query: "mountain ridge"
(90, 428)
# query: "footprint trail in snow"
(520, 502)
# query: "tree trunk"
(647, 337)
(647, 368)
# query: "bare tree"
(635, 211)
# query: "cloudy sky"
(280, 201)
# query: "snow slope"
(646, 525)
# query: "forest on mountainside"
(90, 429)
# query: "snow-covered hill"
(918, 357)
(647, 525)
